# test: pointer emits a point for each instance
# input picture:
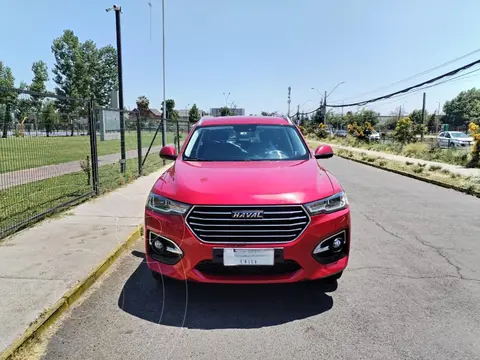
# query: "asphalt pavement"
(411, 291)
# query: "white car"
(374, 135)
(450, 139)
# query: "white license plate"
(239, 257)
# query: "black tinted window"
(246, 143)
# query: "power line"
(420, 89)
(450, 73)
(453, 79)
(414, 76)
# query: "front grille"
(209, 268)
(214, 224)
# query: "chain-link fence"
(57, 151)
(45, 155)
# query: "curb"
(51, 314)
(413, 176)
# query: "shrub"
(417, 169)
(361, 131)
(404, 131)
(415, 150)
(475, 130)
(434, 167)
(321, 131)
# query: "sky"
(255, 49)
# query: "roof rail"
(204, 117)
(288, 119)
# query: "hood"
(241, 183)
(469, 139)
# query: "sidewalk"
(40, 264)
(457, 169)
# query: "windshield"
(458, 134)
(246, 143)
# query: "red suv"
(246, 201)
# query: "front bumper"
(294, 261)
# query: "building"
(184, 113)
(234, 111)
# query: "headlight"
(328, 205)
(163, 205)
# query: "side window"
(447, 135)
(193, 141)
(441, 134)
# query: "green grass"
(29, 152)
(24, 201)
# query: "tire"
(451, 145)
(337, 276)
(162, 279)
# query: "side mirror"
(168, 152)
(323, 152)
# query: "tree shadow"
(212, 306)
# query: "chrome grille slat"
(249, 225)
(241, 230)
(280, 224)
(272, 219)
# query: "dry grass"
(469, 184)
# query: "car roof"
(239, 120)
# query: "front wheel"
(162, 279)
(337, 276)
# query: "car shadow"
(213, 306)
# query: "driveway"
(411, 291)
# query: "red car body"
(212, 193)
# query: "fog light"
(163, 249)
(158, 246)
(337, 244)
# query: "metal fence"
(57, 151)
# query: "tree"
(49, 117)
(432, 123)
(143, 105)
(225, 111)
(7, 96)
(364, 116)
(406, 130)
(82, 71)
(475, 131)
(464, 108)
(193, 114)
(266, 113)
(171, 113)
(336, 121)
(23, 107)
(360, 131)
(40, 77)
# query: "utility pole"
(399, 112)
(118, 11)
(298, 113)
(423, 113)
(325, 109)
(289, 100)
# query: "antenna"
(150, 8)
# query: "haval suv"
(245, 201)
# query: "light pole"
(118, 11)
(226, 98)
(164, 119)
(340, 83)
